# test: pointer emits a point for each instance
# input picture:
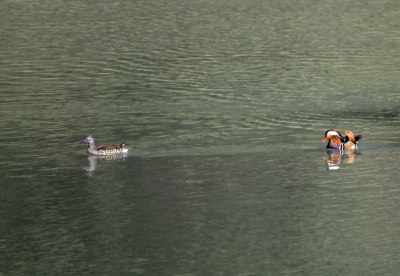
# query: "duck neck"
(334, 143)
(92, 145)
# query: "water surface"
(226, 103)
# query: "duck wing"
(110, 147)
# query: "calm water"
(226, 103)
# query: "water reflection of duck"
(93, 159)
(337, 158)
(341, 141)
(108, 149)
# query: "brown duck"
(107, 149)
(341, 141)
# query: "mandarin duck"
(107, 149)
(341, 141)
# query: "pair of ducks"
(336, 140)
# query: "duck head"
(90, 141)
(335, 139)
(333, 134)
(87, 139)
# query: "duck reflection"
(93, 161)
(335, 159)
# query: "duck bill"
(325, 139)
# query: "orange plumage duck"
(341, 141)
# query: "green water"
(226, 103)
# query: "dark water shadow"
(373, 115)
